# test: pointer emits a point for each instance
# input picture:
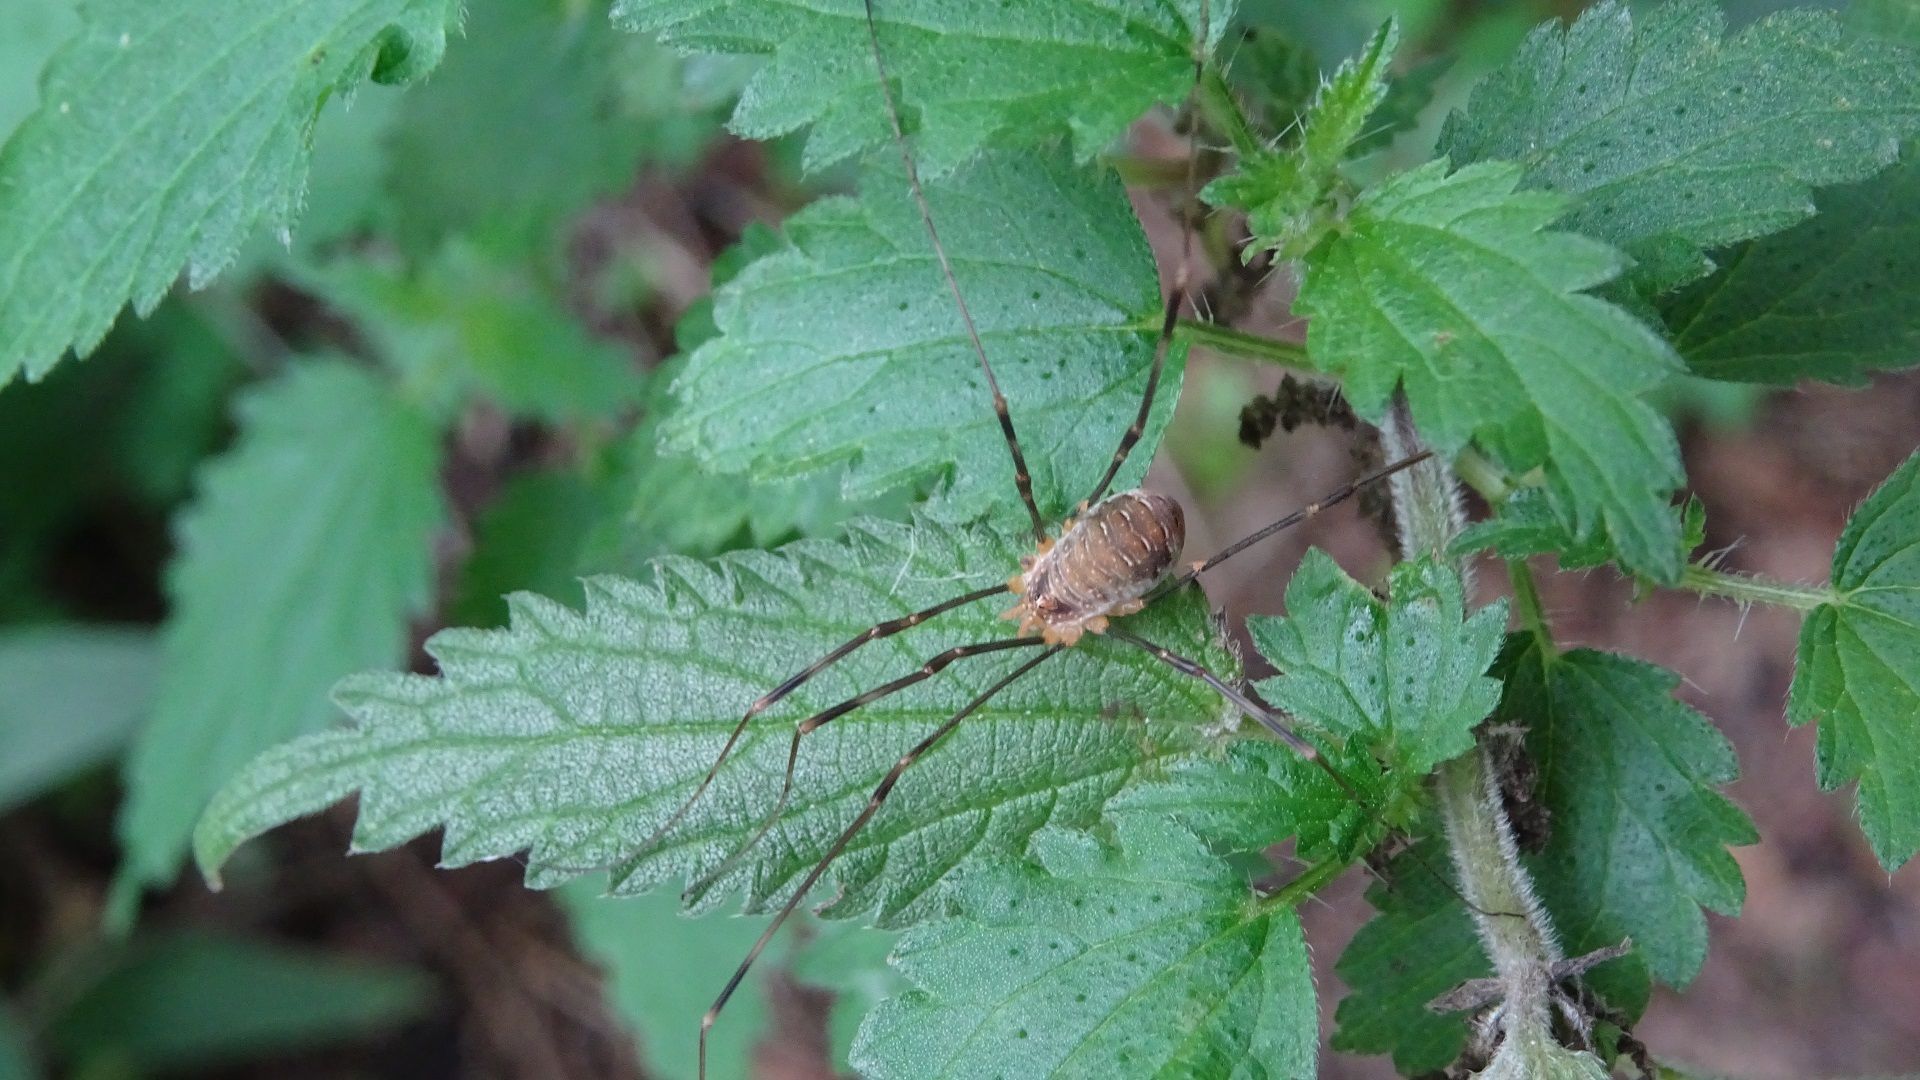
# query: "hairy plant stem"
(1240, 343)
(1514, 929)
(1526, 597)
(1749, 589)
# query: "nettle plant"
(1632, 198)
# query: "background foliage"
(326, 327)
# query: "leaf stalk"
(1223, 339)
(1752, 589)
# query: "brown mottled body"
(1104, 562)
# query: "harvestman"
(1110, 560)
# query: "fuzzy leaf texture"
(1152, 959)
(1859, 666)
(1636, 845)
(1283, 191)
(166, 135)
(845, 346)
(1829, 299)
(308, 547)
(1421, 944)
(970, 73)
(459, 155)
(1639, 832)
(1451, 287)
(574, 734)
(1674, 138)
(1398, 684)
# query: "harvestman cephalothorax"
(1118, 554)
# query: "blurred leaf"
(16, 1051)
(1154, 959)
(177, 409)
(845, 346)
(1408, 96)
(1285, 192)
(1856, 669)
(191, 1000)
(459, 152)
(1451, 288)
(300, 561)
(1829, 299)
(851, 961)
(528, 538)
(1673, 140)
(572, 735)
(1420, 945)
(970, 73)
(35, 28)
(664, 970)
(152, 151)
(471, 319)
(1895, 20)
(73, 695)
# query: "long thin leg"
(793, 682)
(1267, 717)
(811, 724)
(1021, 477)
(874, 803)
(1332, 498)
(1178, 297)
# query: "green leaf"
(1406, 679)
(74, 694)
(16, 1050)
(846, 346)
(300, 561)
(34, 29)
(166, 134)
(1526, 525)
(1285, 192)
(852, 962)
(573, 735)
(663, 971)
(1857, 672)
(460, 158)
(192, 1000)
(470, 319)
(1154, 959)
(1449, 287)
(1673, 140)
(1639, 834)
(973, 73)
(1627, 778)
(1533, 1055)
(1829, 299)
(530, 537)
(1895, 20)
(1420, 945)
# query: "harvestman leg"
(1021, 477)
(874, 802)
(1176, 299)
(793, 682)
(928, 670)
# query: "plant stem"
(1240, 343)
(1483, 476)
(1526, 597)
(1748, 589)
(1224, 114)
(1514, 929)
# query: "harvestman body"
(1115, 557)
